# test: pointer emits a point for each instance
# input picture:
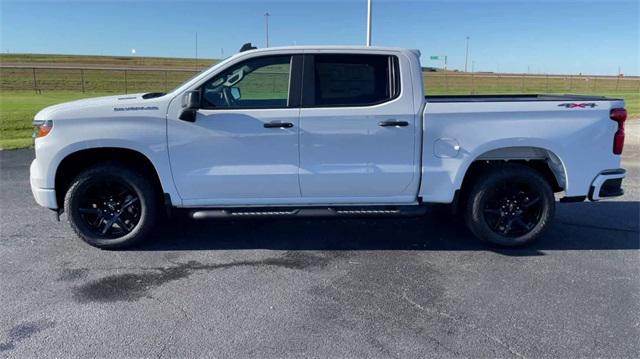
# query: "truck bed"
(514, 98)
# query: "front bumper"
(607, 184)
(45, 197)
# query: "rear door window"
(354, 80)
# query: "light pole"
(369, 10)
(466, 58)
(196, 51)
(266, 22)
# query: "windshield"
(199, 74)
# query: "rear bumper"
(607, 184)
(45, 197)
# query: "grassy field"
(18, 108)
(625, 88)
(22, 95)
(124, 61)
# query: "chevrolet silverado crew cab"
(323, 131)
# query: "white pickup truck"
(322, 131)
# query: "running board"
(308, 212)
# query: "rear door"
(357, 130)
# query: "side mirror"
(190, 105)
(191, 100)
(235, 93)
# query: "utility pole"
(466, 58)
(266, 22)
(196, 51)
(369, 10)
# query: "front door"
(243, 146)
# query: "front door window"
(257, 83)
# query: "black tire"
(509, 205)
(106, 191)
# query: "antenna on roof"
(247, 47)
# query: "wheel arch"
(75, 162)
(543, 160)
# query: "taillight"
(619, 115)
(42, 128)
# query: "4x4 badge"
(578, 105)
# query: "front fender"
(146, 136)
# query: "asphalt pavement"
(348, 288)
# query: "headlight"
(42, 128)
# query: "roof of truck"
(335, 47)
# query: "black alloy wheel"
(111, 205)
(509, 205)
(513, 209)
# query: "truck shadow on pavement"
(578, 226)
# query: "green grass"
(18, 108)
(631, 101)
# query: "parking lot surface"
(356, 288)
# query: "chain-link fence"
(470, 83)
(90, 80)
(41, 79)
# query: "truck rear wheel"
(111, 206)
(510, 205)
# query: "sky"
(537, 36)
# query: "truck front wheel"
(111, 206)
(510, 205)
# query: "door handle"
(278, 125)
(393, 123)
